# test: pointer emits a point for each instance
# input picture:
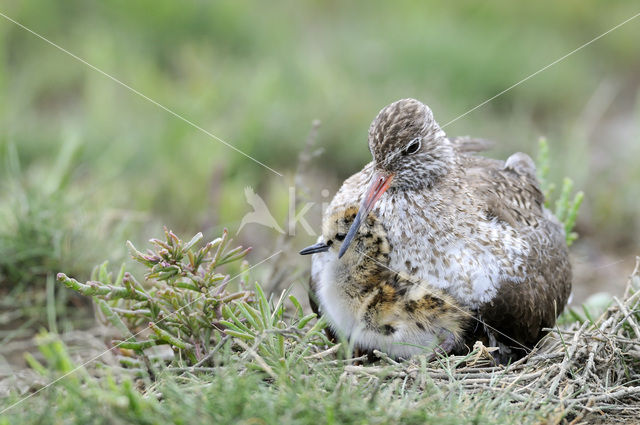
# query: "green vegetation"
(182, 300)
(86, 164)
(304, 391)
(274, 365)
(566, 209)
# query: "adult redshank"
(473, 227)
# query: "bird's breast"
(467, 256)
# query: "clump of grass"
(34, 222)
(186, 303)
(47, 224)
(181, 301)
(277, 366)
(566, 207)
(583, 370)
(322, 388)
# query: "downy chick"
(373, 306)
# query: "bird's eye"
(413, 147)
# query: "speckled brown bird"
(473, 227)
(375, 307)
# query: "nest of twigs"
(589, 368)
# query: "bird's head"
(408, 146)
(370, 242)
(410, 152)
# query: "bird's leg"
(360, 352)
(448, 343)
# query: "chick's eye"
(413, 147)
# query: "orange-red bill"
(380, 182)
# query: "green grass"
(277, 376)
(276, 366)
(48, 223)
(237, 355)
(226, 397)
(566, 208)
(304, 393)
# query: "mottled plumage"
(473, 227)
(375, 307)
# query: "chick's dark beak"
(314, 249)
(380, 182)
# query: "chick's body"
(373, 306)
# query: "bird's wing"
(520, 310)
(508, 190)
(467, 144)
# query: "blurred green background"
(87, 164)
